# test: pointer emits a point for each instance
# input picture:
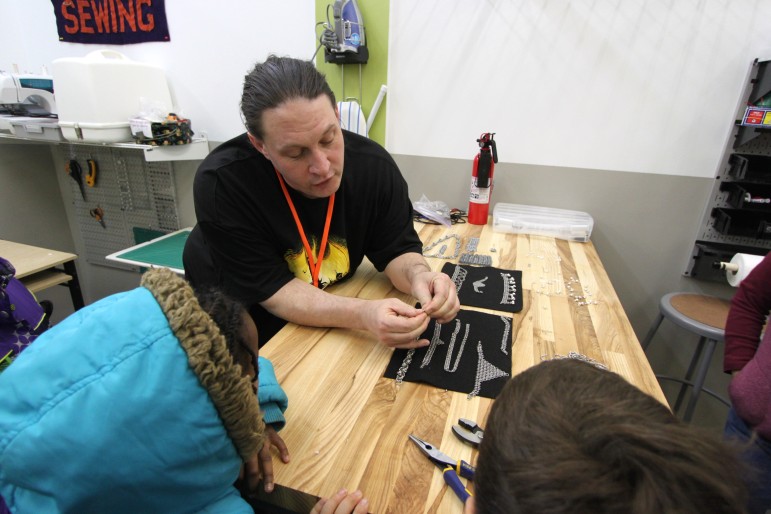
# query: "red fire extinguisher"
(482, 179)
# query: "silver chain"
(403, 368)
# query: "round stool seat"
(701, 314)
(704, 316)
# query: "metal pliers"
(451, 468)
(469, 432)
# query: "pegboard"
(714, 242)
(132, 193)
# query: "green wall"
(374, 73)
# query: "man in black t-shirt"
(296, 203)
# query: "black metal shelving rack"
(737, 218)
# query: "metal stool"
(705, 316)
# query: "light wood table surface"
(347, 425)
(36, 268)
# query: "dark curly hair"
(228, 314)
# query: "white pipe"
(376, 106)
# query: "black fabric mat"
(470, 354)
(487, 287)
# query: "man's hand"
(396, 324)
(260, 466)
(437, 295)
(435, 291)
(342, 503)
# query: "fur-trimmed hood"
(132, 404)
(210, 359)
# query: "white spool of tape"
(743, 263)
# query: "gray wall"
(32, 209)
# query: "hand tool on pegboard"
(98, 214)
(76, 173)
(91, 173)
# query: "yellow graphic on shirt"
(336, 263)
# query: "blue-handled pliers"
(451, 468)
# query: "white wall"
(213, 45)
(643, 86)
(572, 88)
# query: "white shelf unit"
(196, 150)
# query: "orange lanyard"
(314, 262)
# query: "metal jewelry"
(479, 284)
(458, 276)
(577, 356)
(452, 345)
(403, 368)
(584, 358)
(509, 289)
(440, 254)
(485, 372)
(506, 332)
(435, 341)
(476, 259)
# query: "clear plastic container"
(542, 221)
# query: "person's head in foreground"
(131, 404)
(567, 437)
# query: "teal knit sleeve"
(273, 399)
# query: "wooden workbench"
(347, 426)
(37, 268)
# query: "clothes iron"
(345, 42)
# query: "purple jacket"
(20, 313)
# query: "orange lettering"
(70, 29)
(101, 16)
(113, 19)
(150, 24)
(126, 16)
(84, 17)
(107, 16)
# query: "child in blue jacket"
(137, 403)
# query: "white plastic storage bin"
(543, 221)
(98, 94)
(36, 128)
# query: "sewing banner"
(111, 22)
